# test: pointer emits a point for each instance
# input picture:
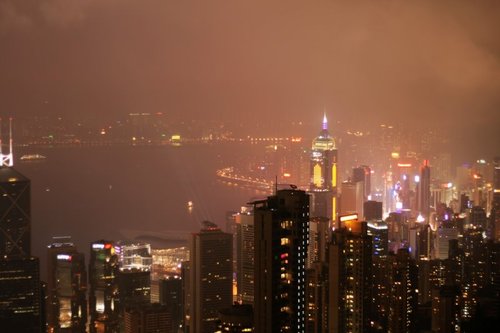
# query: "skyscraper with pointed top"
(323, 184)
(20, 302)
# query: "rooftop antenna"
(11, 156)
(7, 159)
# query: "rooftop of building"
(9, 174)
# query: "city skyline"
(206, 167)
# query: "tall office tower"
(350, 275)
(20, 298)
(372, 210)
(103, 288)
(351, 198)
(281, 236)
(134, 287)
(323, 186)
(245, 255)
(20, 301)
(363, 174)
(171, 296)
(319, 238)
(211, 276)
(186, 296)
(15, 221)
(147, 318)
(378, 230)
(66, 289)
(475, 272)
(166, 263)
(134, 275)
(424, 191)
(403, 293)
(317, 297)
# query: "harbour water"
(106, 192)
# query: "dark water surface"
(92, 193)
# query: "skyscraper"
(350, 278)
(424, 191)
(15, 220)
(20, 297)
(171, 296)
(67, 289)
(147, 318)
(211, 276)
(281, 238)
(323, 185)
(319, 237)
(403, 293)
(245, 255)
(363, 174)
(103, 288)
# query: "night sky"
(422, 62)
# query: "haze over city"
(152, 150)
(421, 63)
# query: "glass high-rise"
(323, 184)
(20, 300)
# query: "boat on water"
(32, 157)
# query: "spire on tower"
(325, 122)
(6, 159)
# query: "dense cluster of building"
(323, 259)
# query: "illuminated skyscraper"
(67, 289)
(171, 296)
(424, 191)
(15, 218)
(134, 277)
(103, 288)
(20, 297)
(350, 267)
(379, 232)
(211, 276)
(281, 236)
(403, 293)
(245, 255)
(317, 298)
(323, 185)
(319, 237)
